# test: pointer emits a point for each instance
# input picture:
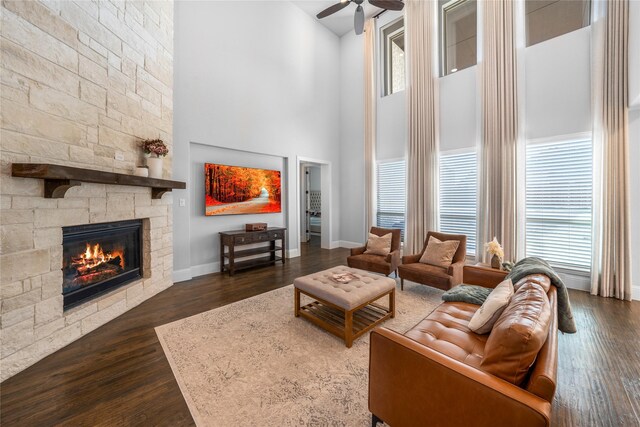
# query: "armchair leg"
(401, 284)
(375, 420)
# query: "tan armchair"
(378, 263)
(431, 275)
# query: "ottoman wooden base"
(345, 324)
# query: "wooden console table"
(231, 239)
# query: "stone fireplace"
(82, 83)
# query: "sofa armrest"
(358, 251)
(411, 384)
(456, 272)
(411, 259)
(482, 276)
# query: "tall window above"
(393, 39)
(458, 195)
(459, 40)
(548, 19)
(391, 194)
(558, 203)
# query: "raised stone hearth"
(82, 83)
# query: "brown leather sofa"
(433, 374)
(431, 275)
(378, 263)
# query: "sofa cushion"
(482, 322)
(378, 245)
(439, 253)
(446, 330)
(418, 272)
(518, 335)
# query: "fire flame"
(94, 256)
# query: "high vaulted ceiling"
(339, 23)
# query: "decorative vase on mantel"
(155, 166)
(496, 262)
(154, 150)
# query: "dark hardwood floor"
(118, 374)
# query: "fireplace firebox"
(97, 258)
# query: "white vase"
(155, 167)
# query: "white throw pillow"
(378, 245)
(483, 319)
(439, 253)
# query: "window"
(458, 19)
(458, 195)
(548, 19)
(393, 38)
(391, 194)
(558, 203)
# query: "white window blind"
(458, 195)
(391, 194)
(558, 203)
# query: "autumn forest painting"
(231, 190)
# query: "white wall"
(634, 160)
(352, 139)
(634, 53)
(558, 86)
(261, 77)
(458, 110)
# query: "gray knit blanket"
(471, 294)
(532, 265)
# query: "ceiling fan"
(358, 19)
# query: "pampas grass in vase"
(497, 253)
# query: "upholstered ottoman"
(346, 310)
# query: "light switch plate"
(182, 202)
(119, 156)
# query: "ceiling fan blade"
(358, 20)
(387, 4)
(333, 9)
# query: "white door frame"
(325, 188)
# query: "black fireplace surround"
(97, 258)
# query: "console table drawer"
(251, 237)
(276, 234)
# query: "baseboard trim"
(182, 275)
(635, 292)
(578, 282)
(202, 269)
(213, 267)
(349, 245)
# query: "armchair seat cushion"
(369, 262)
(446, 330)
(418, 272)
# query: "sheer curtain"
(498, 196)
(369, 123)
(611, 261)
(422, 102)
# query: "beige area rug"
(254, 363)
